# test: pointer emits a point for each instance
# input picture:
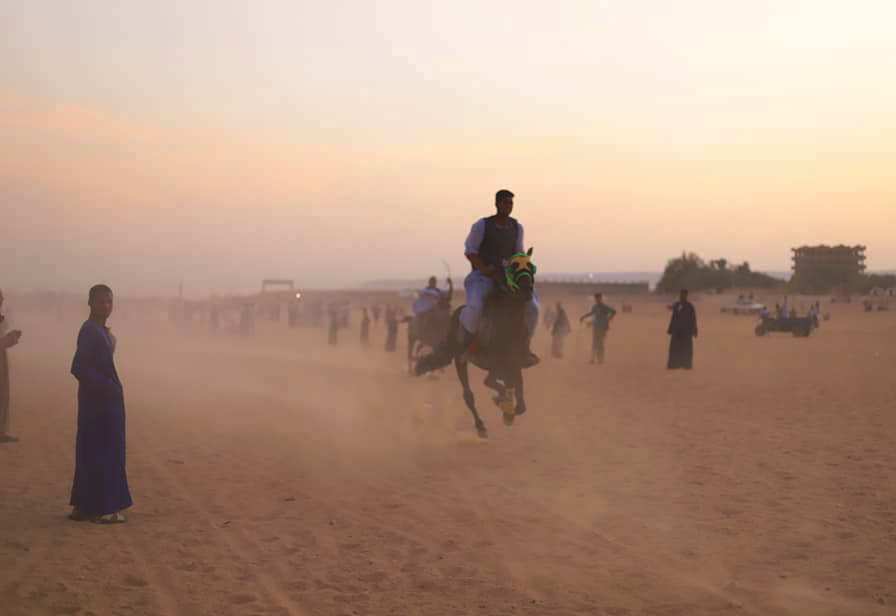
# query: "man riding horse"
(432, 298)
(491, 243)
(432, 316)
(493, 330)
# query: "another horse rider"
(491, 241)
(432, 297)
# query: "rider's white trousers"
(477, 287)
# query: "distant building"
(819, 269)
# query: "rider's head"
(599, 298)
(504, 202)
(683, 296)
(432, 282)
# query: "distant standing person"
(600, 316)
(682, 331)
(559, 331)
(549, 317)
(100, 487)
(8, 339)
(391, 317)
(247, 323)
(365, 327)
(333, 322)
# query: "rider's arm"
(450, 292)
(481, 265)
(471, 248)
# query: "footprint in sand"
(243, 598)
(133, 580)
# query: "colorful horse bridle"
(518, 266)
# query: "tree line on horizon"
(689, 271)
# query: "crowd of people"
(100, 490)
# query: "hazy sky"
(336, 142)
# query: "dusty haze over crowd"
(216, 143)
(212, 144)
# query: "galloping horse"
(429, 329)
(501, 348)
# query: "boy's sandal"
(111, 518)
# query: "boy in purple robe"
(100, 488)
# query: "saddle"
(486, 351)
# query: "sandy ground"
(280, 476)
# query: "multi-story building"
(820, 269)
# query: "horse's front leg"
(492, 382)
(520, 398)
(463, 374)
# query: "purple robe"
(682, 331)
(100, 485)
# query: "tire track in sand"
(30, 556)
(235, 541)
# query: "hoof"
(506, 403)
(508, 418)
(481, 430)
(521, 409)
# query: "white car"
(744, 307)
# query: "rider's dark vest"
(498, 243)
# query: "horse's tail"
(445, 352)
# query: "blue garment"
(100, 485)
(478, 286)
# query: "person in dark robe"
(100, 487)
(391, 317)
(8, 339)
(559, 331)
(292, 313)
(333, 320)
(247, 320)
(365, 327)
(682, 331)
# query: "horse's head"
(519, 275)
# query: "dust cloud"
(274, 473)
